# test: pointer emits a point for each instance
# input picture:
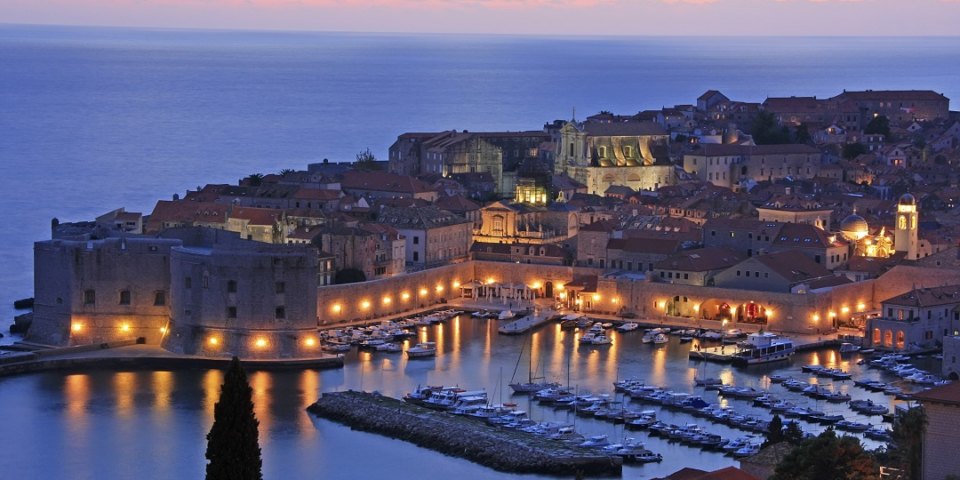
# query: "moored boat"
(422, 350)
(764, 348)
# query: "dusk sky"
(552, 17)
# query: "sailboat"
(533, 384)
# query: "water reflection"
(157, 421)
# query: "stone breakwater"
(499, 449)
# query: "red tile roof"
(946, 394)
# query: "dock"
(527, 323)
(500, 449)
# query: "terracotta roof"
(892, 95)
(793, 104)
(383, 182)
(606, 226)
(623, 129)
(663, 246)
(457, 203)
(316, 194)
(792, 265)
(948, 394)
(830, 281)
(422, 218)
(802, 235)
(257, 216)
(927, 297)
(701, 260)
(184, 211)
(710, 150)
(728, 473)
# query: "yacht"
(628, 327)
(764, 348)
(660, 339)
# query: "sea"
(93, 119)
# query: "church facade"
(598, 155)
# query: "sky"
(539, 17)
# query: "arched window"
(888, 338)
(876, 336)
(900, 339)
(498, 225)
(902, 223)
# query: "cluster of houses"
(684, 211)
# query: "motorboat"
(422, 350)
(389, 348)
(628, 327)
(660, 339)
(601, 340)
(846, 347)
(595, 441)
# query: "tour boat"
(764, 348)
(848, 348)
(422, 350)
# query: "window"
(686, 276)
(89, 297)
(416, 240)
(281, 287)
(124, 297)
(159, 298)
(231, 286)
(738, 273)
(187, 282)
(281, 312)
(416, 256)
(231, 312)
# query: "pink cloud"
(405, 4)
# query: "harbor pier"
(500, 449)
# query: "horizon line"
(451, 33)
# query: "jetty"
(500, 449)
(527, 323)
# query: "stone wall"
(100, 290)
(940, 440)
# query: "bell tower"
(905, 235)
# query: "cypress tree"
(233, 447)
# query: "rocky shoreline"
(499, 449)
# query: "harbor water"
(116, 425)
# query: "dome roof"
(907, 199)
(854, 224)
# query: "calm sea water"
(95, 119)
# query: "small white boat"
(628, 327)
(506, 315)
(647, 338)
(595, 441)
(601, 340)
(660, 339)
(389, 348)
(848, 347)
(422, 350)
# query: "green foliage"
(366, 161)
(828, 456)
(905, 449)
(801, 134)
(766, 131)
(287, 171)
(793, 433)
(774, 431)
(853, 150)
(879, 124)
(254, 179)
(233, 447)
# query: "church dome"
(854, 227)
(907, 199)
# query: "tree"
(233, 447)
(253, 180)
(366, 161)
(793, 433)
(879, 124)
(766, 130)
(904, 449)
(287, 171)
(774, 431)
(827, 456)
(853, 150)
(801, 134)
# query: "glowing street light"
(365, 304)
(310, 341)
(213, 341)
(261, 343)
(125, 327)
(76, 327)
(337, 308)
(387, 300)
(405, 296)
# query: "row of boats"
(386, 336)
(474, 404)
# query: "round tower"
(905, 235)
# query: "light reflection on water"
(105, 424)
